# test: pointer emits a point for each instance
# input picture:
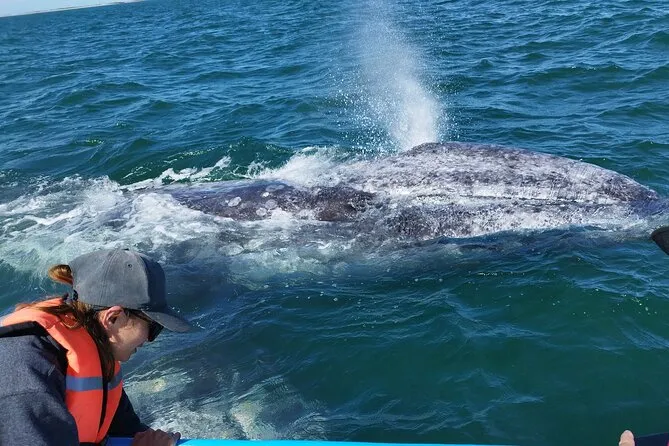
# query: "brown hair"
(78, 315)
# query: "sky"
(19, 7)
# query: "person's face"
(126, 332)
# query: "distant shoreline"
(65, 7)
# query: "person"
(60, 374)
(627, 439)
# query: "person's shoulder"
(32, 391)
(30, 363)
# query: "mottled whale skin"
(435, 190)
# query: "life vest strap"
(83, 384)
(22, 329)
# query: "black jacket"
(32, 395)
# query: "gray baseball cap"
(127, 278)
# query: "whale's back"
(466, 190)
(434, 190)
(462, 172)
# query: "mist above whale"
(436, 190)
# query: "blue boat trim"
(203, 442)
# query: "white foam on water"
(62, 220)
(309, 167)
(189, 174)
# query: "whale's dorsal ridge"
(457, 146)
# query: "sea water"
(561, 343)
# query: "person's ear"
(113, 318)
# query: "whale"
(447, 190)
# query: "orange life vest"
(83, 378)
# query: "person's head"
(119, 296)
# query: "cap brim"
(169, 319)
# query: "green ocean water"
(557, 342)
